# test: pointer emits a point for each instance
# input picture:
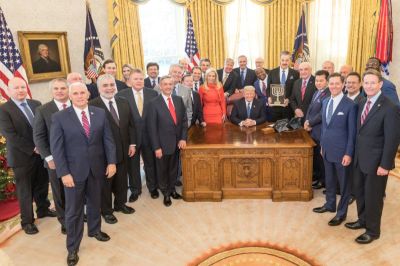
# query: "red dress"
(214, 105)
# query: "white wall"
(58, 15)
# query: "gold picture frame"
(42, 65)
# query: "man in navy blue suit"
(313, 125)
(337, 147)
(84, 153)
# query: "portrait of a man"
(46, 59)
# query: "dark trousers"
(57, 189)
(90, 189)
(135, 181)
(118, 185)
(279, 112)
(318, 164)
(32, 183)
(167, 168)
(369, 190)
(335, 172)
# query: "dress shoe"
(30, 229)
(176, 195)
(352, 199)
(101, 236)
(63, 229)
(85, 218)
(47, 213)
(110, 219)
(316, 181)
(72, 258)
(321, 210)
(125, 209)
(178, 183)
(336, 221)
(167, 201)
(366, 238)
(317, 186)
(133, 197)
(354, 225)
(154, 194)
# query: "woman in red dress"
(212, 98)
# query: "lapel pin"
(91, 113)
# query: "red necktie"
(264, 88)
(303, 89)
(85, 123)
(172, 109)
(64, 106)
(365, 113)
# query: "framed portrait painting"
(45, 54)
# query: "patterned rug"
(253, 254)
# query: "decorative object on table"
(277, 95)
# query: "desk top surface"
(229, 135)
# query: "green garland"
(7, 182)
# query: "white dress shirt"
(286, 73)
(353, 97)
(107, 103)
(135, 94)
(373, 100)
(60, 104)
(336, 100)
(78, 112)
(166, 99)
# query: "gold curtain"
(126, 41)
(208, 22)
(363, 28)
(281, 22)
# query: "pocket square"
(340, 113)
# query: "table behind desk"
(228, 161)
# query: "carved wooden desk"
(227, 161)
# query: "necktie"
(28, 113)
(283, 79)
(303, 89)
(153, 84)
(113, 112)
(316, 95)
(225, 78)
(248, 110)
(174, 91)
(196, 87)
(85, 124)
(264, 88)
(242, 77)
(330, 111)
(172, 109)
(64, 106)
(140, 103)
(365, 113)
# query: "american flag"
(191, 44)
(10, 59)
(301, 52)
(384, 38)
(93, 54)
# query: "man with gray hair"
(41, 136)
(228, 78)
(328, 66)
(44, 63)
(123, 130)
(74, 77)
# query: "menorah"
(278, 94)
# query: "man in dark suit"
(313, 124)
(246, 75)
(83, 149)
(167, 126)
(152, 79)
(109, 67)
(337, 147)
(228, 78)
(197, 82)
(260, 86)
(353, 87)
(139, 98)
(32, 181)
(41, 137)
(303, 91)
(378, 138)
(285, 76)
(248, 111)
(204, 64)
(197, 108)
(121, 123)
(44, 64)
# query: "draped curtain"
(124, 26)
(363, 28)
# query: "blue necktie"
(28, 113)
(174, 91)
(317, 94)
(248, 110)
(330, 112)
(283, 80)
(242, 77)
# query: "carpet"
(253, 254)
(8, 209)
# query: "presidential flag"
(93, 54)
(191, 45)
(301, 52)
(384, 37)
(10, 59)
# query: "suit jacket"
(239, 112)
(147, 82)
(73, 152)
(259, 92)
(358, 100)
(16, 129)
(250, 78)
(231, 81)
(338, 137)
(275, 78)
(197, 108)
(163, 132)
(139, 121)
(124, 131)
(389, 90)
(314, 114)
(42, 66)
(295, 99)
(94, 91)
(378, 137)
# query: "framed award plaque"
(277, 95)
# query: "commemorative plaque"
(277, 95)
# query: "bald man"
(328, 66)
(345, 70)
(32, 181)
(74, 77)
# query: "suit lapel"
(377, 105)
(19, 112)
(93, 121)
(101, 102)
(337, 110)
(164, 106)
